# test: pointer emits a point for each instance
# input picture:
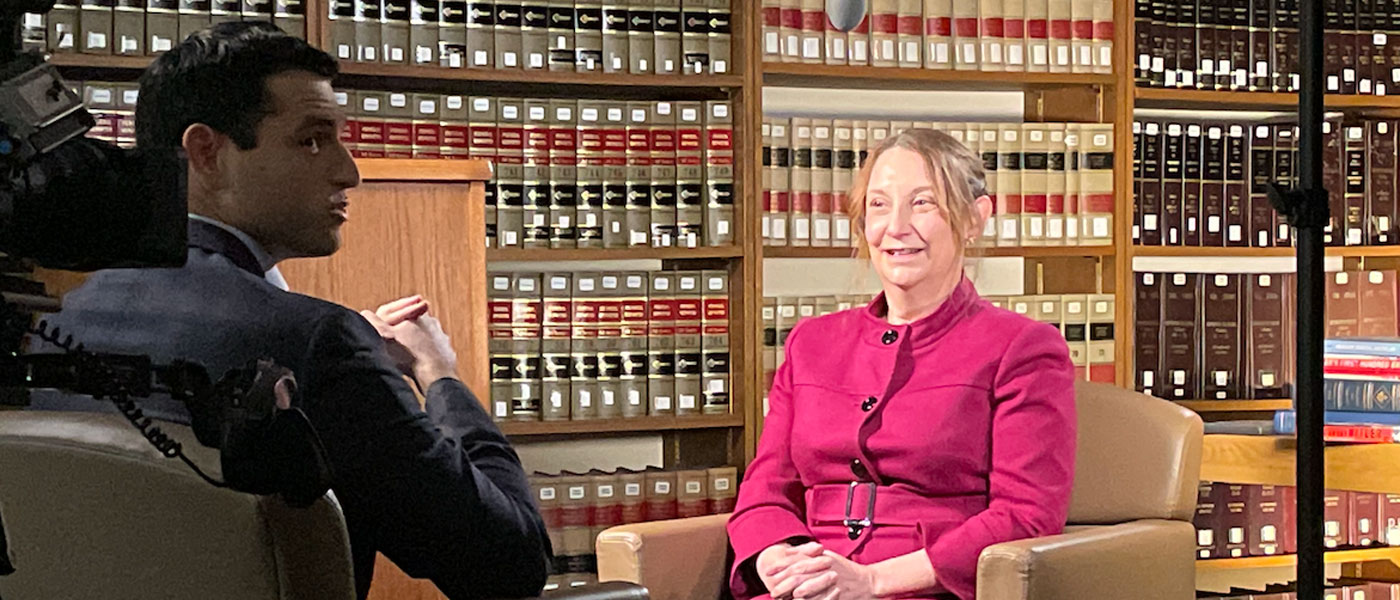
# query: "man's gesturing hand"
(415, 339)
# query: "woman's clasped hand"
(811, 572)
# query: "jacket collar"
(218, 240)
(874, 329)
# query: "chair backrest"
(93, 511)
(1138, 457)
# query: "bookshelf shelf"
(1023, 251)
(1269, 460)
(1171, 98)
(100, 61)
(584, 254)
(1216, 252)
(1288, 560)
(1236, 405)
(610, 426)
(843, 76)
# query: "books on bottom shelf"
(1239, 520)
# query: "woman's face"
(911, 241)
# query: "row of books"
(1254, 45)
(1086, 321)
(601, 36)
(1342, 588)
(1237, 520)
(1206, 183)
(1055, 36)
(1052, 182)
(570, 173)
(587, 345)
(113, 108)
(576, 507)
(779, 314)
(146, 27)
(1229, 336)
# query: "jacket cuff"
(750, 533)
(954, 556)
(449, 403)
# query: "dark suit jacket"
(440, 493)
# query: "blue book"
(1286, 421)
(1365, 346)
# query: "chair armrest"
(1138, 560)
(673, 559)
(610, 590)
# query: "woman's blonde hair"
(950, 164)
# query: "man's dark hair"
(218, 77)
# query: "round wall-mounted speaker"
(845, 14)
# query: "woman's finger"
(798, 573)
(815, 586)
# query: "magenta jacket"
(961, 425)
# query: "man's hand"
(782, 567)
(415, 339)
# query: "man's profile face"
(288, 192)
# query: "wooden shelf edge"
(822, 75)
(440, 170)
(612, 426)
(579, 254)
(1288, 560)
(539, 77)
(100, 61)
(1154, 97)
(1235, 405)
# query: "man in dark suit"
(441, 492)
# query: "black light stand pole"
(1311, 210)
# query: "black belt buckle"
(855, 526)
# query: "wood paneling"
(1269, 460)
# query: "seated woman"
(906, 436)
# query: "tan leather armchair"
(1129, 535)
(92, 511)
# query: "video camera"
(74, 203)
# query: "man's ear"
(202, 145)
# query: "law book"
(1184, 33)
(1014, 34)
(583, 350)
(1261, 173)
(1363, 40)
(1039, 54)
(1261, 45)
(1389, 518)
(547, 498)
(766, 180)
(1286, 45)
(836, 44)
(780, 176)
(719, 173)
(1035, 174)
(423, 32)
(1237, 209)
(771, 19)
(101, 99)
(576, 531)
(937, 33)
(534, 34)
(427, 126)
(660, 494)
(95, 26)
(1147, 334)
(1354, 184)
(689, 351)
(556, 347)
(481, 35)
(1349, 45)
(632, 345)
(822, 174)
(1239, 45)
(631, 488)
(368, 30)
(1096, 184)
(1074, 324)
(1166, 27)
(371, 121)
(1342, 306)
(608, 346)
(394, 31)
(860, 41)
(129, 25)
(1231, 539)
(800, 182)
(967, 35)
(607, 501)
(884, 33)
(564, 212)
(714, 342)
(1221, 343)
(1376, 314)
(1382, 21)
(1205, 32)
(561, 32)
(1336, 511)
(639, 194)
(1268, 344)
(1055, 198)
(1213, 168)
(1334, 181)
(590, 173)
(661, 344)
(1060, 28)
(617, 175)
(1285, 151)
(615, 45)
(1082, 36)
(1206, 520)
(452, 34)
(398, 126)
(719, 36)
(526, 307)
(768, 313)
(61, 27)
(693, 494)
(1265, 522)
(1142, 42)
(1192, 184)
(348, 102)
(811, 35)
(539, 185)
(1049, 309)
(1150, 186)
(1391, 31)
(340, 27)
(1333, 38)
(1101, 342)
(1180, 293)
(664, 118)
(723, 489)
(690, 174)
(1224, 46)
(1380, 183)
(1007, 210)
(790, 30)
(507, 22)
(127, 95)
(33, 32)
(843, 176)
(1073, 194)
(469, 129)
(909, 28)
(510, 168)
(667, 23)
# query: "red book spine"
(791, 17)
(938, 26)
(427, 139)
(887, 23)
